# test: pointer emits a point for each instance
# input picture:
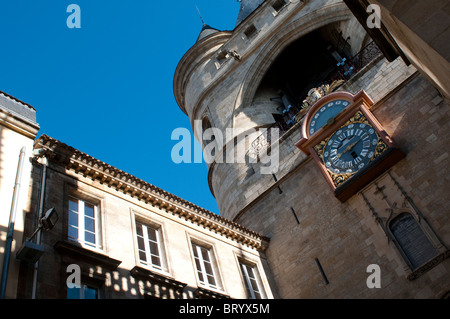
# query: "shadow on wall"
(14, 265)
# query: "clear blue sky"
(106, 89)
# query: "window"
(205, 266)
(412, 240)
(84, 223)
(206, 125)
(209, 140)
(250, 31)
(278, 5)
(251, 281)
(222, 57)
(83, 292)
(150, 248)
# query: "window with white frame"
(84, 223)
(205, 266)
(150, 246)
(251, 280)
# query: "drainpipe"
(41, 210)
(12, 220)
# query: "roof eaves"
(17, 100)
(81, 163)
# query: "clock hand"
(349, 148)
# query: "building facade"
(18, 129)
(356, 121)
(125, 238)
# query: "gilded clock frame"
(386, 154)
(358, 118)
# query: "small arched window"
(206, 124)
(412, 240)
(208, 137)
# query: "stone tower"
(258, 87)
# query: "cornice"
(87, 166)
(18, 123)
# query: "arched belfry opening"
(328, 55)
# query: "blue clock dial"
(327, 112)
(350, 149)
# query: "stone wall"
(346, 238)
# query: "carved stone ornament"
(315, 94)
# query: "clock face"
(327, 112)
(350, 149)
